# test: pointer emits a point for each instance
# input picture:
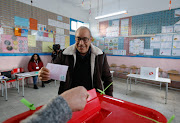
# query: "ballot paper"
(57, 72)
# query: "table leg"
(23, 87)
(160, 85)
(55, 82)
(135, 81)
(18, 86)
(130, 84)
(166, 93)
(127, 83)
(5, 90)
(2, 88)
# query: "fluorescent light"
(112, 14)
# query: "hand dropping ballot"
(57, 72)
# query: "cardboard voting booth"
(149, 72)
(106, 109)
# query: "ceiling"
(86, 3)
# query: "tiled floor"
(142, 94)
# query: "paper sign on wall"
(47, 46)
(33, 23)
(31, 40)
(17, 31)
(24, 32)
(14, 44)
(21, 21)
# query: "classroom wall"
(60, 7)
(10, 62)
(136, 7)
(164, 64)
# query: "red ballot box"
(106, 109)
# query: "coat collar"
(71, 50)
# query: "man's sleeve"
(106, 77)
(56, 111)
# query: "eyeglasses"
(85, 39)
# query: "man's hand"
(76, 98)
(44, 74)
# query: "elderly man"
(88, 65)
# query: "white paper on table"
(57, 72)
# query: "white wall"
(60, 7)
(134, 7)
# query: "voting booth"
(106, 109)
(149, 72)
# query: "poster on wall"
(14, 44)
(119, 52)
(42, 36)
(124, 27)
(115, 43)
(47, 46)
(67, 41)
(166, 52)
(155, 45)
(41, 27)
(176, 44)
(60, 39)
(136, 46)
(177, 13)
(99, 42)
(148, 52)
(155, 39)
(31, 40)
(176, 38)
(175, 52)
(113, 29)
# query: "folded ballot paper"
(57, 72)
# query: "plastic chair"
(133, 69)
(123, 70)
(174, 75)
(10, 80)
(113, 68)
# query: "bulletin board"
(155, 35)
(29, 29)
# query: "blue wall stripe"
(163, 57)
(22, 54)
